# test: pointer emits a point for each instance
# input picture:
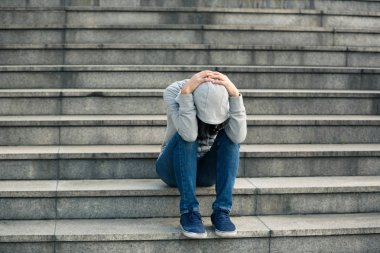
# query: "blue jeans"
(178, 166)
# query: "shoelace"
(224, 216)
(195, 217)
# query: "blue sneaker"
(222, 223)
(192, 225)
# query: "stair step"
(197, 34)
(72, 196)
(129, 101)
(282, 233)
(159, 76)
(339, 5)
(188, 54)
(138, 161)
(218, 16)
(134, 198)
(180, 47)
(159, 93)
(152, 151)
(119, 130)
(161, 120)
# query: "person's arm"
(180, 106)
(236, 129)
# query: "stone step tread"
(159, 93)
(152, 151)
(170, 4)
(187, 68)
(168, 228)
(161, 120)
(196, 9)
(106, 187)
(155, 187)
(202, 27)
(104, 46)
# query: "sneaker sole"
(193, 235)
(226, 233)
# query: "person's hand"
(196, 80)
(222, 79)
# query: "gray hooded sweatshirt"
(211, 103)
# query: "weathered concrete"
(28, 189)
(317, 203)
(322, 225)
(242, 245)
(353, 5)
(145, 168)
(293, 233)
(27, 208)
(122, 16)
(328, 165)
(27, 231)
(29, 106)
(237, 4)
(161, 120)
(23, 247)
(31, 3)
(29, 136)
(136, 187)
(317, 196)
(27, 199)
(149, 229)
(147, 77)
(138, 161)
(257, 56)
(130, 199)
(132, 207)
(103, 101)
(31, 36)
(126, 130)
(194, 34)
(108, 168)
(134, 198)
(311, 135)
(323, 233)
(350, 21)
(324, 244)
(9, 16)
(154, 235)
(283, 185)
(29, 169)
(152, 151)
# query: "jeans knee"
(164, 174)
(170, 181)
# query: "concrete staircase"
(82, 119)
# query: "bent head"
(211, 102)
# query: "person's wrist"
(234, 94)
(185, 91)
(187, 88)
(232, 91)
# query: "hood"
(211, 102)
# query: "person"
(206, 122)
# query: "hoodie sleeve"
(236, 128)
(181, 110)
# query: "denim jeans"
(178, 166)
